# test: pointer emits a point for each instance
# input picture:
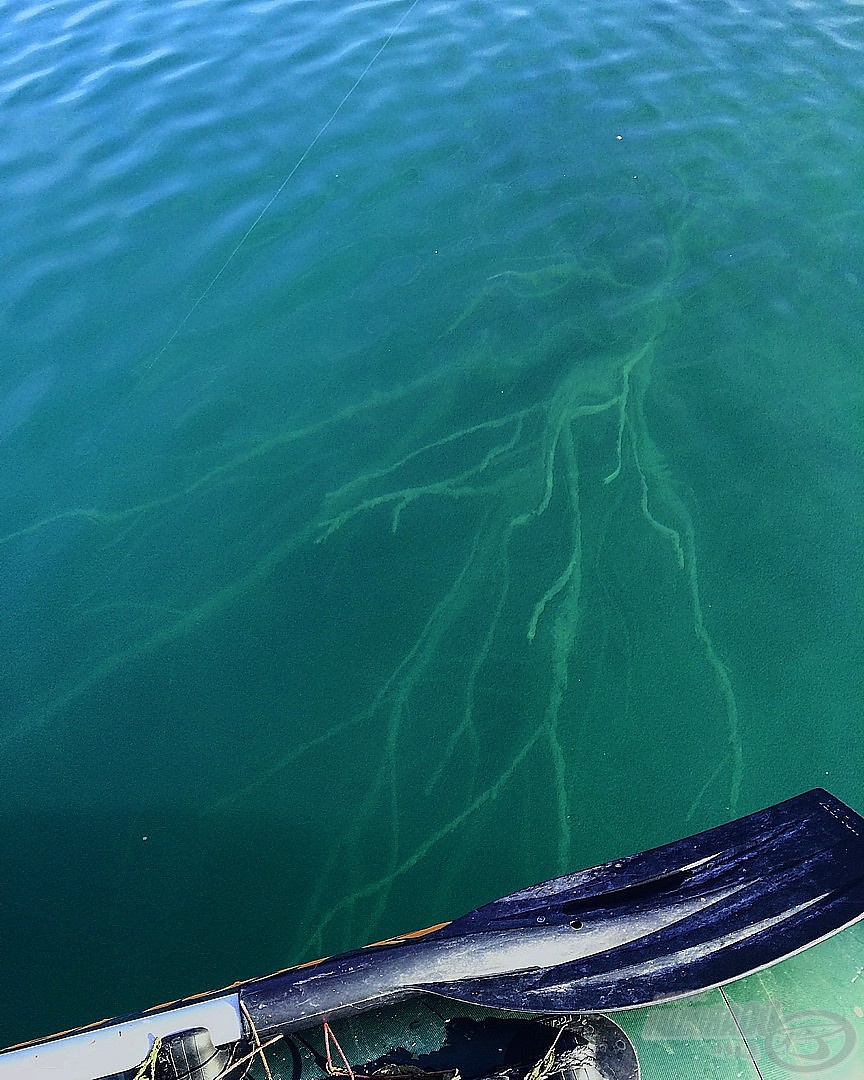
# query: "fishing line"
(297, 164)
(741, 1033)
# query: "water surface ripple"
(430, 460)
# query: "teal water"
(430, 460)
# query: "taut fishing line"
(297, 164)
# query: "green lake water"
(430, 461)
